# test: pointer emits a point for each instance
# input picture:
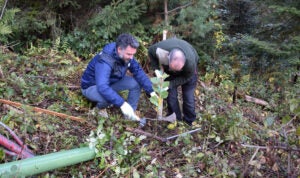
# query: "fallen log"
(40, 110)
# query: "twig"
(100, 175)
(160, 138)
(3, 8)
(10, 152)
(181, 7)
(36, 109)
(146, 134)
(256, 100)
(274, 147)
(290, 121)
(183, 134)
(253, 156)
(289, 153)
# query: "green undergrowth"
(237, 139)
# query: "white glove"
(153, 94)
(128, 111)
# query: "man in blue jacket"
(105, 76)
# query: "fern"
(5, 29)
(6, 23)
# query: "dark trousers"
(188, 98)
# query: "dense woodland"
(247, 98)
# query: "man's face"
(176, 65)
(127, 53)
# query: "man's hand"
(128, 111)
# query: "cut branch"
(256, 100)
(138, 131)
(36, 109)
(18, 140)
(13, 147)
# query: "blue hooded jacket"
(105, 69)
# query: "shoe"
(103, 113)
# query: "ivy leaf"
(269, 121)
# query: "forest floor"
(234, 140)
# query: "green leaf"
(285, 119)
(164, 94)
(294, 105)
(269, 121)
(154, 100)
(166, 84)
(165, 75)
(5, 29)
(135, 174)
(120, 149)
(298, 131)
(155, 80)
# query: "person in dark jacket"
(179, 60)
(105, 76)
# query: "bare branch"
(256, 100)
(274, 147)
(138, 131)
(181, 7)
(3, 8)
(40, 110)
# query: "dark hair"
(126, 39)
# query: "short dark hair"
(126, 39)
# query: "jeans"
(188, 98)
(126, 83)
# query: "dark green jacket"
(190, 67)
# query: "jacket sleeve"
(140, 76)
(154, 62)
(102, 74)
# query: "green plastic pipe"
(40, 164)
